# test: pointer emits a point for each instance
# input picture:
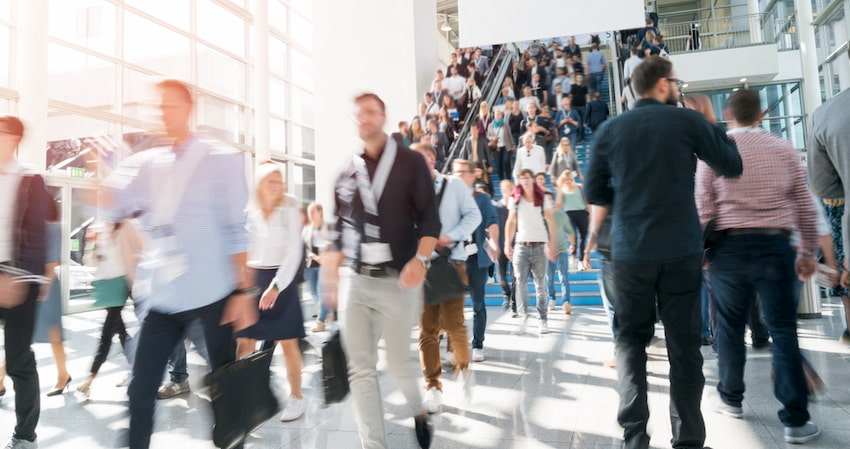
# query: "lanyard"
(371, 190)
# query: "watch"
(426, 262)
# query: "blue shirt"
(560, 115)
(207, 229)
(595, 61)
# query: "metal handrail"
(490, 89)
(730, 32)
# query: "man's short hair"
(371, 96)
(177, 85)
(745, 106)
(463, 162)
(473, 123)
(402, 123)
(10, 124)
(504, 184)
(425, 148)
(646, 75)
(526, 172)
(543, 174)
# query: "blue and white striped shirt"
(208, 227)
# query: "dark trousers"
(508, 287)
(20, 364)
(113, 324)
(579, 220)
(676, 287)
(160, 333)
(477, 282)
(741, 268)
(582, 114)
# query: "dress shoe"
(424, 430)
(61, 389)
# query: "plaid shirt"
(771, 193)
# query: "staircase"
(584, 285)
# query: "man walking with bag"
(386, 229)
(459, 216)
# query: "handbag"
(443, 282)
(242, 398)
(334, 370)
(110, 292)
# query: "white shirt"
(10, 181)
(534, 159)
(629, 66)
(109, 262)
(455, 85)
(276, 242)
(531, 226)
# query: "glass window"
(221, 27)
(81, 266)
(303, 6)
(277, 97)
(277, 57)
(5, 106)
(303, 142)
(5, 10)
(78, 78)
(302, 69)
(302, 107)
(302, 30)
(221, 119)
(5, 47)
(80, 146)
(87, 23)
(277, 15)
(155, 47)
(304, 182)
(140, 96)
(221, 74)
(277, 131)
(175, 12)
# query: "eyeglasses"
(678, 82)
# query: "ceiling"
(447, 9)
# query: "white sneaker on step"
(294, 409)
(433, 400)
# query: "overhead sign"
(484, 22)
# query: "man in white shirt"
(533, 244)
(529, 156)
(455, 84)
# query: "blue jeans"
(742, 268)
(530, 260)
(705, 298)
(563, 266)
(606, 290)
(675, 286)
(311, 275)
(596, 81)
(177, 368)
(160, 332)
(477, 282)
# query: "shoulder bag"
(242, 398)
(443, 282)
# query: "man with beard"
(652, 199)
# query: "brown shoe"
(320, 327)
(568, 309)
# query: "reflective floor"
(533, 391)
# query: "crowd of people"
(206, 258)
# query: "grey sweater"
(829, 152)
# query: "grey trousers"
(531, 260)
(368, 309)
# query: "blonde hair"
(262, 172)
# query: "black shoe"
(761, 344)
(424, 430)
(707, 341)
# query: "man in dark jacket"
(653, 199)
(597, 112)
(23, 212)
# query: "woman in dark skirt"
(275, 255)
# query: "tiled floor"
(531, 392)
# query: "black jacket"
(29, 238)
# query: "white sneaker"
(544, 328)
(294, 409)
(524, 324)
(21, 444)
(433, 400)
(477, 355)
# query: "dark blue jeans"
(676, 287)
(159, 335)
(562, 266)
(20, 363)
(743, 267)
(606, 290)
(477, 282)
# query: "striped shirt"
(771, 193)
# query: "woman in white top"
(276, 254)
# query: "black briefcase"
(443, 282)
(334, 370)
(242, 398)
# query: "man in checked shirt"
(756, 214)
